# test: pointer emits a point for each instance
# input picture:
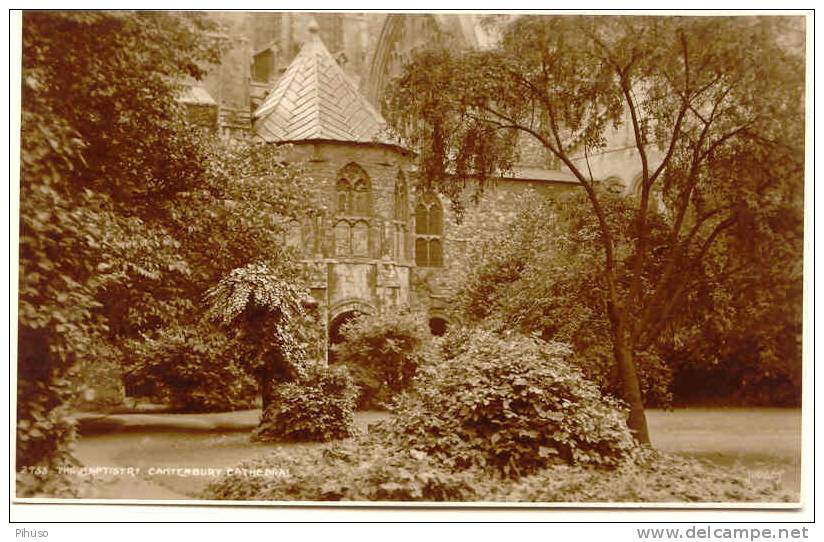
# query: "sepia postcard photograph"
(411, 258)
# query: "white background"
(33, 514)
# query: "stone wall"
(379, 277)
(353, 260)
(369, 261)
(498, 206)
(203, 115)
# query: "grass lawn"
(766, 442)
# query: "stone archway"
(337, 323)
(341, 314)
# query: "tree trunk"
(630, 387)
(273, 373)
(266, 385)
(631, 391)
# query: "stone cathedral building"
(316, 81)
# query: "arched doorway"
(437, 326)
(335, 334)
(335, 331)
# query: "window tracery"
(429, 232)
(353, 194)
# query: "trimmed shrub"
(320, 406)
(193, 369)
(383, 353)
(512, 404)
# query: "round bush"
(383, 353)
(191, 369)
(512, 404)
(318, 407)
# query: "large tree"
(541, 275)
(736, 338)
(237, 215)
(714, 108)
(128, 213)
(102, 137)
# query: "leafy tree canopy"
(713, 106)
(127, 212)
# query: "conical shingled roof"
(314, 99)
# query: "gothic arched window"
(353, 192)
(399, 244)
(360, 239)
(435, 253)
(360, 199)
(421, 219)
(429, 232)
(401, 198)
(400, 219)
(343, 239)
(344, 197)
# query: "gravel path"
(157, 447)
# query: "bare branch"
(589, 167)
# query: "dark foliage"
(102, 139)
(193, 369)
(271, 314)
(512, 404)
(370, 469)
(541, 275)
(127, 213)
(319, 406)
(736, 339)
(383, 353)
